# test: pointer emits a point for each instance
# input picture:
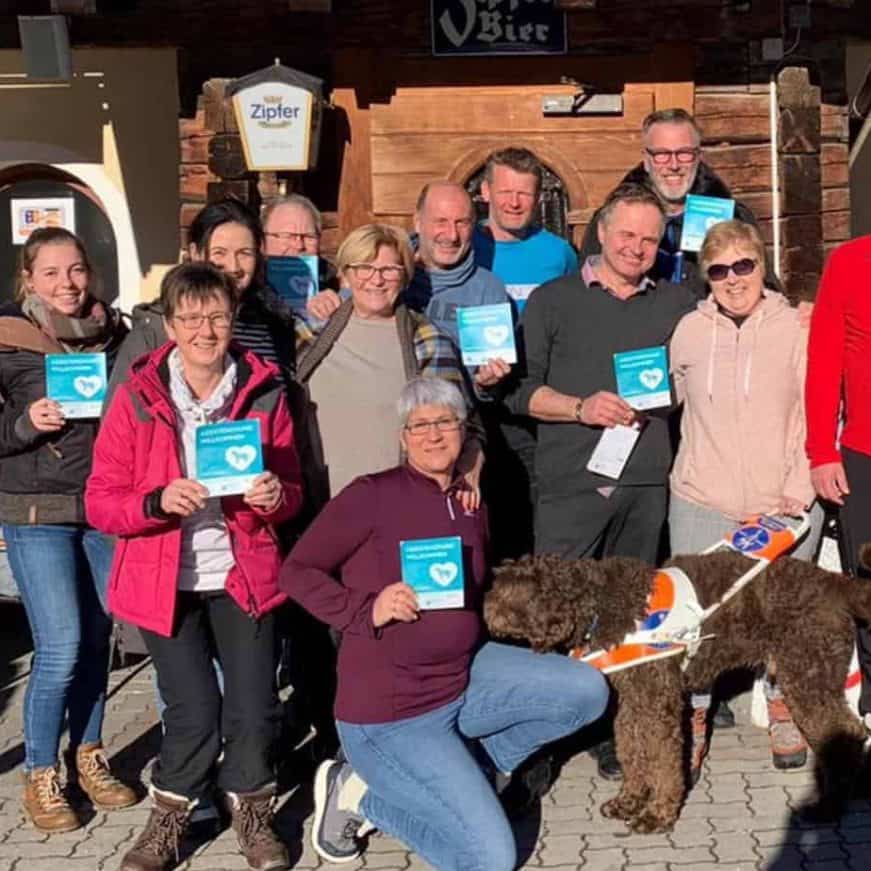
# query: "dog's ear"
(865, 556)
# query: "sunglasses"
(718, 271)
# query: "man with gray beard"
(672, 165)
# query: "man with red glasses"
(672, 164)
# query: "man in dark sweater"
(572, 328)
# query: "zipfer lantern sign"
(278, 112)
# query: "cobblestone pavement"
(739, 817)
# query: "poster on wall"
(494, 27)
(30, 213)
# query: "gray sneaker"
(338, 824)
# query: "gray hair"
(430, 391)
(293, 200)
(670, 116)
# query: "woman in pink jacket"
(738, 363)
(199, 574)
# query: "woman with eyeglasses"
(738, 364)
(357, 364)
(418, 685)
(198, 573)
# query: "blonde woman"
(739, 365)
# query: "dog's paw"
(619, 808)
(647, 823)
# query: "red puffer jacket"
(137, 451)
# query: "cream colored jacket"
(743, 426)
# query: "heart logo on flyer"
(443, 573)
(651, 378)
(496, 335)
(241, 457)
(87, 385)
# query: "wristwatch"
(578, 407)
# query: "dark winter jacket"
(707, 184)
(42, 475)
(260, 307)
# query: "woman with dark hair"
(59, 563)
(228, 235)
(199, 573)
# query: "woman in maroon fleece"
(415, 685)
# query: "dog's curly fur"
(794, 615)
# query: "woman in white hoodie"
(738, 364)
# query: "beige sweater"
(743, 424)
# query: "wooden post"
(799, 153)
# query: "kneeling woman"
(416, 685)
(199, 575)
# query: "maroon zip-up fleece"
(349, 554)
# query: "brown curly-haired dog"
(795, 614)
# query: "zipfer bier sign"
(275, 121)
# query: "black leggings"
(855, 530)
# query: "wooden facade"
(400, 117)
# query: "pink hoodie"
(743, 426)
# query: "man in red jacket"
(838, 368)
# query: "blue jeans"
(424, 785)
(62, 573)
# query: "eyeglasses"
(364, 271)
(441, 424)
(300, 238)
(662, 156)
(218, 320)
(718, 271)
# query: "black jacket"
(707, 184)
(42, 475)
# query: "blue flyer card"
(294, 279)
(77, 382)
(434, 568)
(486, 332)
(229, 456)
(699, 215)
(642, 377)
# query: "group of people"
(373, 434)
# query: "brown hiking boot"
(45, 803)
(788, 747)
(156, 849)
(97, 781)
(700, 743)
(252, 822)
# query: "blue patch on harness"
(748, 539)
